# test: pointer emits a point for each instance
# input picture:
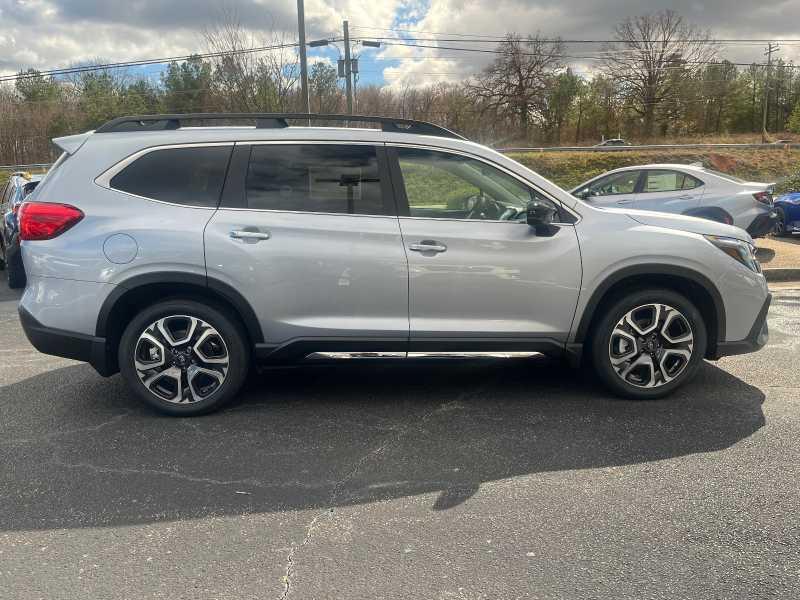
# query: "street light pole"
(301, 26)
(348, 73)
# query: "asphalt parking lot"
(494, 479)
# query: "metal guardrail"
(652, 147)
(25, 167)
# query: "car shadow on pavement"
(77, 450)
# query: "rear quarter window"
(189, 176)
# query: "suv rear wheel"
(183, 358)
(648, 343)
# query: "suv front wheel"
(648, 343)
(183, 358)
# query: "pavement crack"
(58, 434)
(159, 472)
(338, 486)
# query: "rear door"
(480, 277)
(670, 191)
(308, 233)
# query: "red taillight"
(44, 221)
(763, 197)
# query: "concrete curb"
(782, 274)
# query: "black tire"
(232, 334)
(615, 311)
(2, 256)
(15, 269)
(779, 229)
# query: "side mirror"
(541, 214)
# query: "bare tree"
(248, 81)
(516, 81)
(648, 47)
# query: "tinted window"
(191, 176)
(669, 181)
(327, 178)
(619, 183)
(449, 186)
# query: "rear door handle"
(686, 197)
(428, 246)
(243, 234)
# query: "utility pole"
(771, 48)
(348, 73)
(301, 26)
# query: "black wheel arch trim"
(225, 291)
(639, 270)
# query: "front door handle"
(243, 234)
(428, 246)
(626, 201)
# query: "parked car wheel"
(648, 343)
(2, 256)
(779, 229)
(15, 269)
(184, 358)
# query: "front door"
(314, 244)
(613, 191)
(478, 274)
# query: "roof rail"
(270, 121)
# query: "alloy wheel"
(651, 345)
(181, 359)
(779, 228)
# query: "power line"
(143, 62)
(561, 55)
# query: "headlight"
(738, 250)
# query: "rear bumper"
(66, 344)
(755, 340)
(762, 224)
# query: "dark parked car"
(613, 142)
(13, 193)
(788, 209)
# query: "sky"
(45, 34)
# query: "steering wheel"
(484, 209)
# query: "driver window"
(448, 186)
(613, 185)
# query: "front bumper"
(77, 346)
(755, 340)
(762, 224)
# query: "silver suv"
(180, 255)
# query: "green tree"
(323, 88)
(557, 103)
(794, 120)
(33, 87)
(187, 85)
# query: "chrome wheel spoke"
(210, 348)
(651, 345)
(644, 319)
(623, 346)
(166, 384)
(673, 362)
(171, 331)
(643, 364)
(149, 353)
(181, 359)
(676, 328)
(203, 382)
